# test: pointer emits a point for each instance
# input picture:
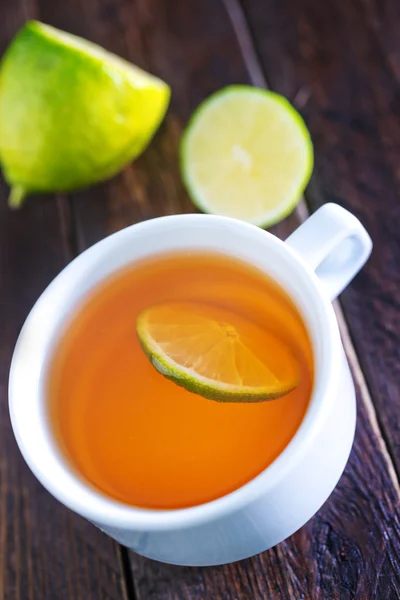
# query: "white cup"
(313, 266)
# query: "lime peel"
(17, 196)
(71, 113)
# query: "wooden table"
(338, 61)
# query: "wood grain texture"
(340, 62)
(46, 552)
(350, 550)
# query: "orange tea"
(134, 434)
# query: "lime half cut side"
(246, 153)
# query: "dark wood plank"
(46, 552)
(340, 62)
(350, 549)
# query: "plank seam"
(246, 43)
(258, 77)
(69, 232)
(366, 394)
(128, 578)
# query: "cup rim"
(105, 511)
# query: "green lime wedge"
(71, 113)
(246, 153)
(215, 353)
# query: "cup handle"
(334, 244)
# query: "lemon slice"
(246, 153)
(216, 353)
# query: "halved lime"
(71, 113)
(216, 353)
(246, 153)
